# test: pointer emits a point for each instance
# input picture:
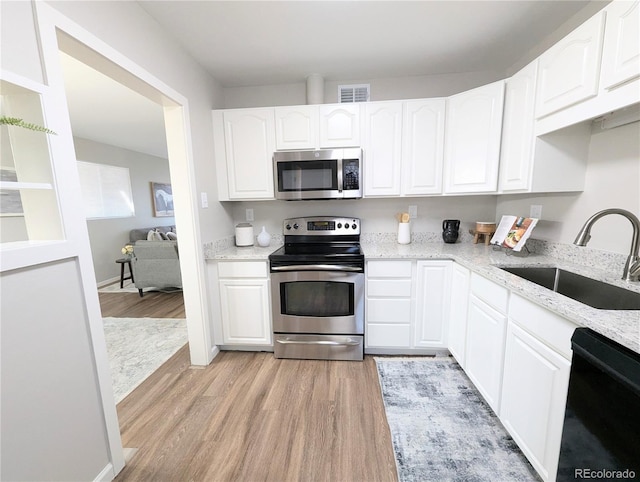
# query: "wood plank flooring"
(250, 417)
(151, 305)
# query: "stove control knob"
(295, 226)
(288, 227)
(339, 225)
(354, 226)
(346, 226)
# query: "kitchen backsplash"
(601, 260)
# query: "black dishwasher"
(601, 433)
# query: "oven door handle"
(319, 342)
(317, 267)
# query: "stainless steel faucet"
(631, 270)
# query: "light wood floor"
(151, 305)
(250, 417)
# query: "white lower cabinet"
(536, 379)
(458, 313)
(388, 307)
(486, 326)
(485, 350)
(245, 303)
(407, 305)
(433, 288)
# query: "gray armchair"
(156, 264)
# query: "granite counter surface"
(622, 326)
(240, 253)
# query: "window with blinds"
(353, 93)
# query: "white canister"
(404, 233)
(244, 234)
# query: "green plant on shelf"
(14, 121)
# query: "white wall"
(52, 422)
(612, 180)
(393, 88)
(141, 39)
(377, 214)
(108, 236)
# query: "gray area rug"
(442, 429)
(138, 346)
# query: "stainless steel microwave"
(321, 174)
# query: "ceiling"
(242, 43)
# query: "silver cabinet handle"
(316, 267)
(318, 342)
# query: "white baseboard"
(107, 282)
(106, 474)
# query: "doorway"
(120, 144)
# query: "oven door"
(327, 302)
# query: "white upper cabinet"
(569, 71)
(339, 125)
(382, 146)
(516, 154)
(472, 139)
(550, 163)
(423, 146)
(297, 127)
(249, 142)
(621, 51)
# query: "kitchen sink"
(594, 293)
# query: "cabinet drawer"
(388, 288)
(383, 335)
(250, 269)
(388, 311)
(494, 295)
(551, 329)
(389, 269)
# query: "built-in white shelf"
(18, 186)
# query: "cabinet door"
(485, 350)
(432, 304)
(339, 125)
(297, 127)
(249, 136)
(382, 148)
(534, 395)
(458, 313)
(472, 139)
(423, 146)
(246, 312)
(569, 70)
(516, 155)
(621, 50)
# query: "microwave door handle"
(339, 175)
(316, 267)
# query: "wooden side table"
(122, 262)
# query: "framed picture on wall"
(162, 199)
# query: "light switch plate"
(249, 215)
(204, 200)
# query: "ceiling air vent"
(353, 93)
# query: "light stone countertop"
(238, 253)
(622, 326)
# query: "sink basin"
(580, 288)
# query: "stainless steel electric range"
(317, 290)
